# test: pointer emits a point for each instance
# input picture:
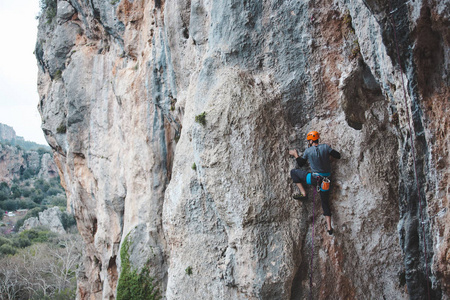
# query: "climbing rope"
(412, 146)
(312, 247)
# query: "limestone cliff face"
(208, 207)
(14, 161)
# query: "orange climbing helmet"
(313, 136)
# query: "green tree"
(37, 196)
(9, 205)
(15, 191)
(54, 191)
(134, 285)
(4, 241)
(4, 195)
(7, 249)
(21, 242)
(67, 220)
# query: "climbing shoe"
(330, 232)
(299, 197)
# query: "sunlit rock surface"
(208, 207)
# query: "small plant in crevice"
(201, 118)
(188, 270)
(49, 7)
(61, 128)
(177, 137)
(173, 101)
(194, 167)
(355, 49)
(57, 75)
(347, 21)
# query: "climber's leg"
(299, 176)
(324, 197)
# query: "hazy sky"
(18, 68)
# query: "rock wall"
(208, 207)
(50, 218)
(7, 133)
(14, 161)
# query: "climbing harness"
(322, 181)
(412, 143)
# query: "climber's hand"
(293, 152)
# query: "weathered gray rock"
(49, 218)
(33, 160)
(64, 11)
(11, 160)
(7, 133)
(48, 168)
(208, 207)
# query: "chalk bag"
(325, 186)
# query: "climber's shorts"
(300, 176)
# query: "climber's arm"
(335, 154)
(300, 160)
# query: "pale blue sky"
(18, 68)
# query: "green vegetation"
(114, 2)
(177, 137)
(35, 263)
(30, 192)
(67, 220)
(188, 270)
(134, 285)
(201, 118)
(356, 49)
(194, 167)
(12, 244)
(61, 128)
(49, 8)
(57, 75)
(23, 145)
(347, 21)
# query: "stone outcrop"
(14, 161)
(208, 206)
(49, 218)
(11, 159)
(7, 133)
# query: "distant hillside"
(8, 136)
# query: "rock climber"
(318, 156)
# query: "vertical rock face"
(208, 207)
(14, 161)
(7, 133)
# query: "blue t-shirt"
(319, 158)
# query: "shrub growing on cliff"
(188, 270)
(49, 8)
(61, 128)
(134, 285)
(67, 220)
(201, 118)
